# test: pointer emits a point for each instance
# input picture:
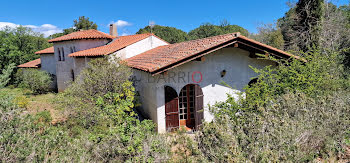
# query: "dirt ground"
(35, 103)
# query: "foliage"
(5, 76)
(18, 45)
(83, 23)
(295, 128)
(208, 30)
(169, 34)
(302, 25)
(37, 81)
(321, 75)
(100, 106)
(270, 34)
(292, 114)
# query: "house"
(176, 82)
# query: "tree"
(18, 45)
(208, 30)
(270, 34)
(6, 74)
(82, 23)
(169, 34)
(302, 25)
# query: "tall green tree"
(81, 23)
(270, 34)
(302, 25)
(208, 30)
(18, 45)
(169, 34)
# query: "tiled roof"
(84, 34)
(49, 50)
(117, 44)
(165, 57)
(31, 64)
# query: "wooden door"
(199, 109)
(186, 107)
(171, 109)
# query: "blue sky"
(50, 16)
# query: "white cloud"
(121, 23)
(46, 29)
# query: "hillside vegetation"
(296, 112)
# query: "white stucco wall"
(139, 47)
(238, 74)
(64, 68)
(48, 64)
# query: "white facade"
(234, 61)
(48, 64)
(65, 67)
(139, 47)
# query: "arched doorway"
(171, 108)
(191, 111)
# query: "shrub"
(321, 75)
(296, 112)
(6, 74)
(37, 81)
(100, 105)
(21, 101)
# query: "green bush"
(5, 77)
(296, 112)
(37, 81)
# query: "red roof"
(49, 50)
(31, 64)
(162, 58)
(115, 45)
(84, 34)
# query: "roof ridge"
(200, 39)
(90, 33)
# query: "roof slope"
(49, 50)
(117, 44)
(31, 64)
(84, 34)
(160, 59)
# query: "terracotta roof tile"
(158, 59)
(85, 34)
(117, 44)
(164, 55)
(31, 64)
(49, 50)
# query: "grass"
(35, 103)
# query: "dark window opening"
(73, 76)
(252, 82)
(63, 54)
(59, 54)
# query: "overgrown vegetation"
(37, 81)
(296, 112)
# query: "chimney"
(113, 30)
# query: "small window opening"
(59, 54)
(73, 76)
(63, 54)
(252, 82)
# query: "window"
(183, 105)
(63, 54)
(186, 103)
(71, 50)
(252, 82)
(74, 49)
(73, 76)
(59, 54)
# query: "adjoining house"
(176, 82)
